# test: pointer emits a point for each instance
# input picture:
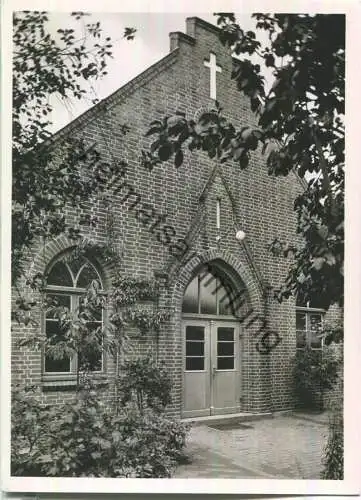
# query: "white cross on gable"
(214, 69)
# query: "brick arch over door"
(225, 261)
(242, 278)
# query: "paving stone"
(288, 447)
(206, 463)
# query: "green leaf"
(269, 60)
(117, 436)
(238, 153)
(243, 161)
(252, 143)
(178, 160)
(156, 123)
(153, 130)
(318, 263)
(270, 104)
(154, 146)
(330, 258)
(323, 232)
(165, 152)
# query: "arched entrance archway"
(211, 331)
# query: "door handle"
(214, 371)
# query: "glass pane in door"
(194, 347)
(225, 363)
(225, 348)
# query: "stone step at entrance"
(227, 420)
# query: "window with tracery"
(67, 282)
(209, 293)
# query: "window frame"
(227, 342)
(308, 311)
(74, 293)
(219, 284)
(201, 341)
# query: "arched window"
(309, 321)
(67, 281)
(211, 293)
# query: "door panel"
(211, 367)
(225, 367)
(196, 390)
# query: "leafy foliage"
(146, 382)
(300, 128)
(314, 372)
(84, 439)
(334, 450)
(127, 295)
(76, 334)
(129, 290)
(46, 178)
(332, 333)
(145, 320)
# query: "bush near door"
(314, 372)
(87, 438)
(333, 452)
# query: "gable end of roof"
(118, 95)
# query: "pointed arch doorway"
(211, 345)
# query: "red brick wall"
(264, 205)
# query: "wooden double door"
(211, 379)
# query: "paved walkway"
(282, 447)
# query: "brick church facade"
(179, 226)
